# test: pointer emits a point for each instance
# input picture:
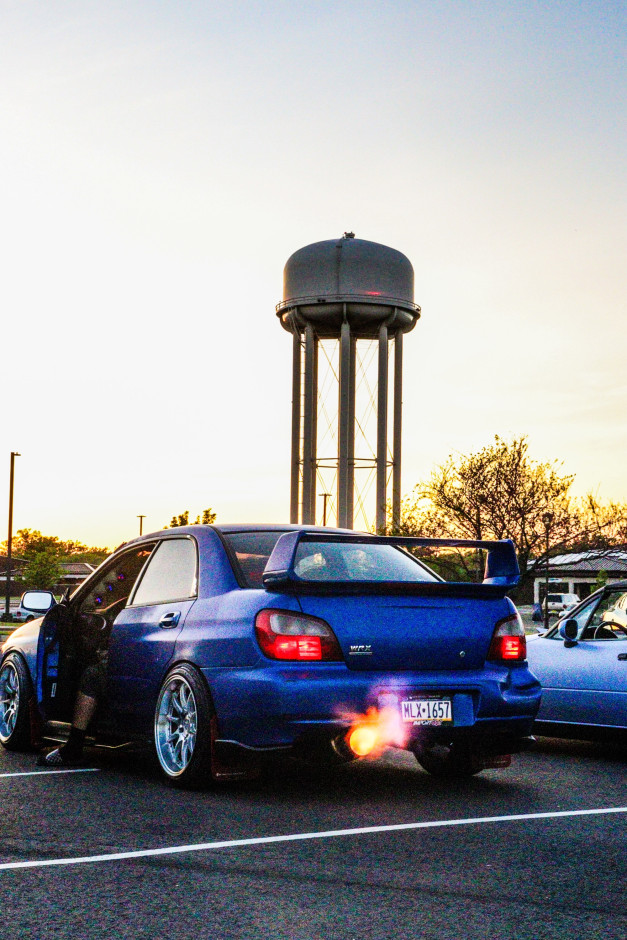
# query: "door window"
(109, 593)
(171, 574)
(609, 621)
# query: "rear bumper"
(282, 706)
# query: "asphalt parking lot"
(377, 849)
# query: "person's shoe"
(59, 758)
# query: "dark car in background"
(228, 644)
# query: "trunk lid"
(383, 632)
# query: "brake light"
(296, 637)
(509, 643)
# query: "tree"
(43, 571)
(500, 492)
(601, 579)
(29, 542)
(208, 518)
(604, 527)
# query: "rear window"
(326, 561)
(252, 550)
(349, 561)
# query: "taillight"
(508, 640)
(296, 637)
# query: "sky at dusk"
(162, 160)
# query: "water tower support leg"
(350, 473)
(346, 428)
(309, 429)
(382, 428)
(398, 416)
(296, 406)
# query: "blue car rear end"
(398, 642)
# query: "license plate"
(427, 711)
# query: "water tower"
(353, 300)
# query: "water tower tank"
(350, 279)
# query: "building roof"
(16, 562)
(77, 568)
(612, 561)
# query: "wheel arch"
(174, 664)
(24, 730)
(19, 655)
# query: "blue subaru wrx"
(227, 644)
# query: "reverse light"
(296, 637)
(509, 643)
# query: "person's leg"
(84, 710)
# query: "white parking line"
(304, 836)
(62, 770)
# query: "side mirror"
(38, 601)
(568, 630)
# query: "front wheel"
(448, 760)
(182, 729)
(16, 690)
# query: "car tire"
(16, 689)
(448, 760)
(183, 728)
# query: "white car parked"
(560, 603)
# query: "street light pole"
(7, 608)
(141, 523)
(547, 519)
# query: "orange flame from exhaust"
(371, 733)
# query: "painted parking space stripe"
(41, 773)
(306, 836)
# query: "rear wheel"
(182, 729)
(16, 690)
(448, 760)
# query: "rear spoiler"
(501, 568)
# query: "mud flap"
(226, 763)
(496, 761)
(36, 724)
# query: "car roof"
(226, 528)
(232, 528)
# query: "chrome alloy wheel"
(176, 726)
(9, 699)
